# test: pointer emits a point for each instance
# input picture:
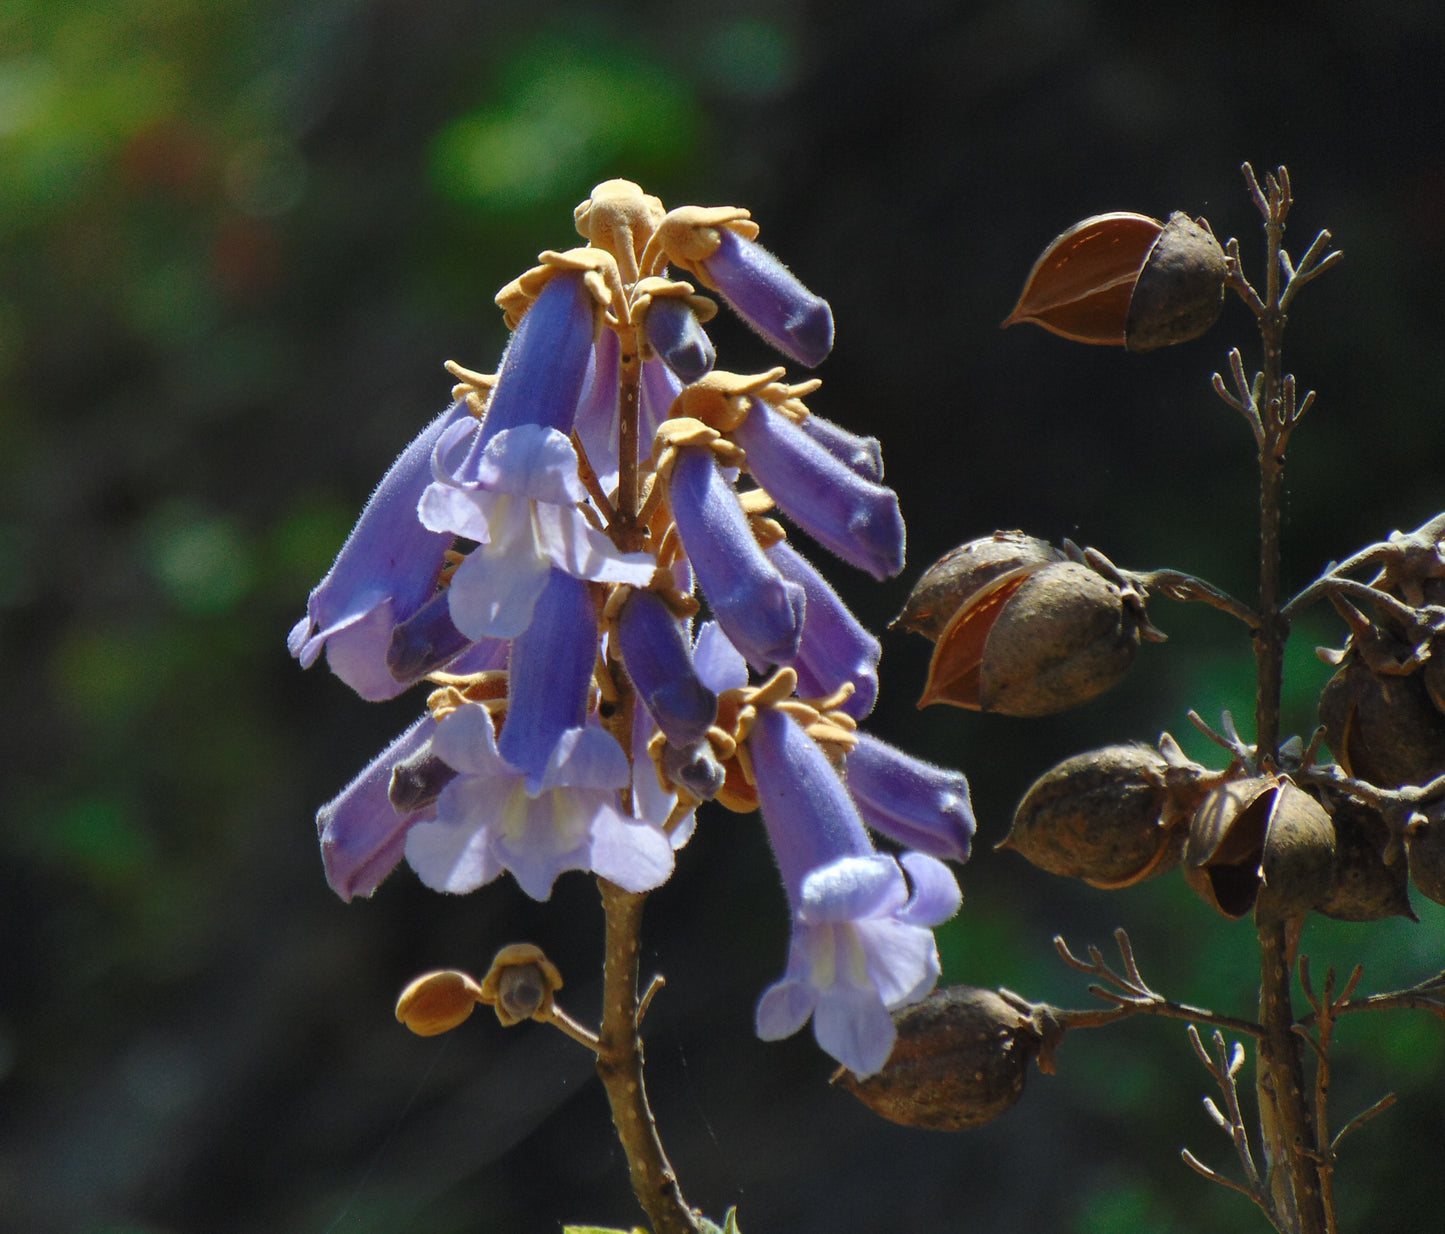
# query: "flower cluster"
(542, 553)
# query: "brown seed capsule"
(1111, 817)
(1426, 848)
(1180, 290)
(1126, 279)
(1383, 729)
(1035, 641)
(1364, 886)
(960, 1061)
(1263, 844)
(952, 580)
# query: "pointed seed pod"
(1128, 280)
(960, 1061)
(1261, 843)
(1111, 817)
(1364, 886)
(1383, 729)
(952, 580)
(1035, 641)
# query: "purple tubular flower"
(862, 455)
(550, 671)
(759, 610)
(542, 373)
(362, 834)
(919, 805)
(385, 572)
(425, 641)
(765, 294)
(852, 517)
(658, 388)
(835, 647)
(658, 656)
(597, 423)
(861, 943)
(674, 334)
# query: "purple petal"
(853, 1026)
(784, 1008)
(761, 613)
(719, 664)
(674, 334)
(494, 590)
(911, 801)
(935, 897)
(658, 656)
(659, 388)
(636, 856)
(851, 888)
(362, 836)
(425, 641)
(385, 572)
(766, 294)
(852, 517)
(597, 411)
(835, 648)
(862, 455)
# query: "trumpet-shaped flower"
(769, 297)
(759, 610)
(658, 656)
(861, 942)
(386, 571)
(911, 801)
(845, 513)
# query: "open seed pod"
(1261, 843)
(1383, 729)
(1035, 641)
(1426, 847)
(960, 1061)
(1125, 278)
(1364, 886)
(951, 581)
(1112, 817)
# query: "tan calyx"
(601, 278)
(488, 688)
(473, 388)
(721, 400)
(620, 218)
(688, 236)
(788, 400)
(520, 955)
(681, 432)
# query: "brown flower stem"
(619, 1064)
(626, 532)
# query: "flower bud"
(1126, 279)
(1036, 641)
(1364, 886)
(1260, 843)
(951, 581)
(1112, 817)
(1383, 728)
(437, 1002)
(960, 1060)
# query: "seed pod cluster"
(1021, 630)
(961, 1059)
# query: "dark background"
(237, 240)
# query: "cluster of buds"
(545, 553)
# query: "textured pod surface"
(1427, 861)
(1384, 729)
(1099, 817)
(952, 580)
(1299, 854)
(1064, 637)
(960, 1061)
(1180, 290)
(1363, 885)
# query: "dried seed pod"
(952, 580)
(1261, 843)
(1112, 817)
(1180, 291)
(1383, 729)
(1364, 886)
(960, 1061)
(1036, 641)
(1426, 847)
(1126, 279)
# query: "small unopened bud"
(437, 1002)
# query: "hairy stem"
(619, 1064)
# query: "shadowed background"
(237, 241)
